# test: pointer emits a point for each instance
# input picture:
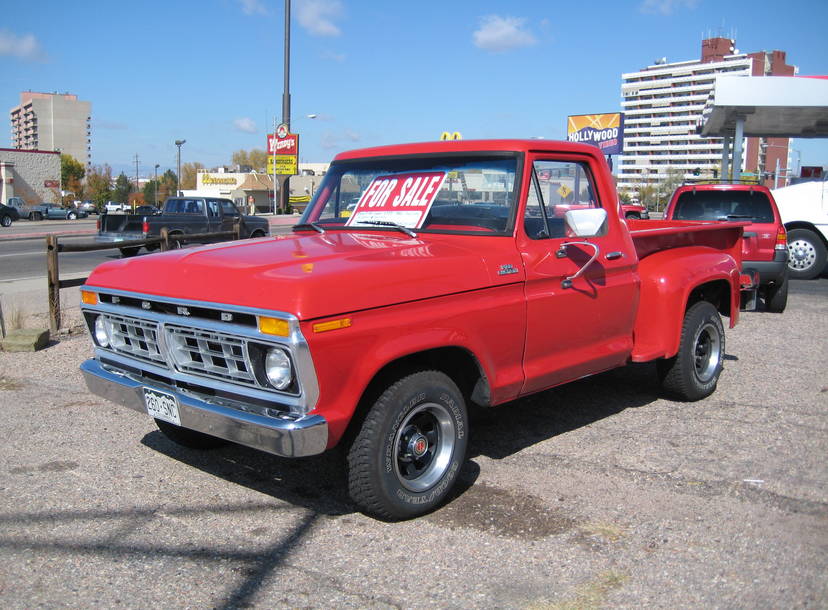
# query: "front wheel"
(5, 220)
(72, 216)
(692, 374)
(806, 254)
(405, 458)
(128, 252)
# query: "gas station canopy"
(768, 106)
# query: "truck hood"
(314, 275)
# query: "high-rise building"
(663, 105)
(53, 121)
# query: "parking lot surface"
(595, 494)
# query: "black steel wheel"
(5, 220)
(692, 374)
(405, 458)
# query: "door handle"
(611, 256)
(561, 253)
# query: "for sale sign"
(403, 199)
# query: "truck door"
(229, 214)
(583, 326)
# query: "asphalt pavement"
(595, 494)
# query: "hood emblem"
(507, 269)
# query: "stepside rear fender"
(670, 280)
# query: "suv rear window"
(724, 205)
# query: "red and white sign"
(404, 199)
(289, 145)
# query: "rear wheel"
(128, 252)
(692, 374)
(189, 438)
(776, 296)
(35, 216)
(405, 458)
(257, 233)
(806, 254)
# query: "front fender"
(667, 280)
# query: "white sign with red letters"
(403, 199)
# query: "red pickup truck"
(421, 280)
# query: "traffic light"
(697, 171)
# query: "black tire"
(692, 374)
(176, 244)
(405, 457)
(806, 254)
(776, 296)
(256, 233)
(35, 216)
(5, 220)
(633, 216)
(128, 252)
(72, 216)
(189, 438)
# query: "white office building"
(663, 105)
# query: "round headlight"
(278, 369)
(101, 334)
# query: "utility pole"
(285, 181)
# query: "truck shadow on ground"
(318, 483)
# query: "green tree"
(624, 197)
(150, 191)
(167, 185)
(674, 179)
(123, 187)
(188, 174)
(99, 185)
(71, 173)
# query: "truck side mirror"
(586, 223)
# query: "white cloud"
(498, 34)
(24, 47)
(253, 7)
(318, 16)
(666, 7)
(245, 124)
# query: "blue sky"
(373, 72)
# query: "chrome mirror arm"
(561, 253)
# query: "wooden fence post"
(165, 239)
(53, 282)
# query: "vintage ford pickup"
(422, 279)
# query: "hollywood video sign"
(606, 131)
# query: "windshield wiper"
(735, 217)
(388, 223)
(308, 225)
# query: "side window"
(228, 208)
(559, 186)
(212, 208)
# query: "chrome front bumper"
(287, 437)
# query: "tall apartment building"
(663, 105)
(53, 121)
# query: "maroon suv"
(764, 247)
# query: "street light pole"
(179, 143)
(285, 186)
(155, 185)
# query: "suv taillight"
(145, 227)
(781, 239)
(98, 224)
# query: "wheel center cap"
(418, 445)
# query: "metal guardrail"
(165, 242)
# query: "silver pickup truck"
(181, 216)
(24, 210)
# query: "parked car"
(114, 206)
(8, 215)
(53, 211)
(25, 210)
(181, 216)
(379, 330)
(89, 207)
(635, 211)
(146, 210)
(765, 241)
(804, 210)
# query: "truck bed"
(651, 236)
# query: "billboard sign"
(606, 131)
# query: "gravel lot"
(596, 494)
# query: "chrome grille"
(211, 353)
(134, 337)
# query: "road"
(595, 494)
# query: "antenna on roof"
(661, 62)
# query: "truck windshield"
(459, 194)
(724, 205)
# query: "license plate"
(162, 406)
